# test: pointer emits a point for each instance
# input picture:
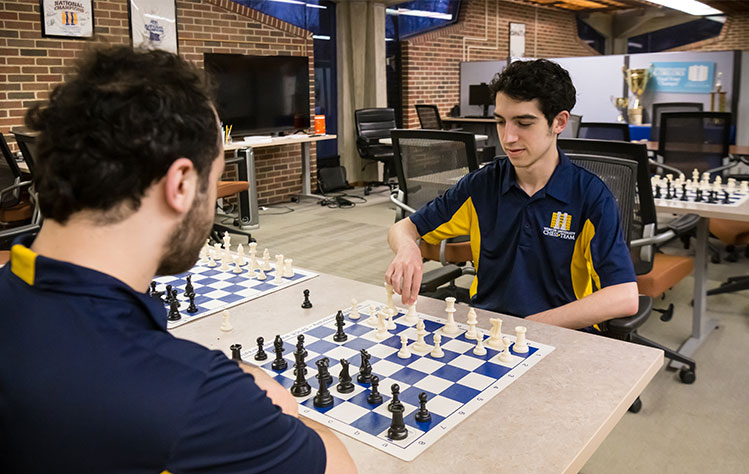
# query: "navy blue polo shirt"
(90, 381)
(532, 253)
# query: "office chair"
(371, 125)
(225, 189)
(666, 107)
(429, 117)
(572, 128)
(427, 164)
(26, 141)
(656, 273)
(604, 131)
(732, 233)
(16, 205)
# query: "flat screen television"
(480, 94)
(260, 94)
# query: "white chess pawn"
(260, 275)
(495, 334)
(472, 321)
(227, 240)
(411, 316)
(203, 260)
(389, 294)
(390, 324)
(288, 268)
(437, 352)
(354, 314)
(225, 260)
(211, 262)
(521, 346)
(505, 355)
(225, 323)
(450, 328)
(240, 255)
(372, 320)
(217, 251)
(744, 186)
(479, 350)
(382, 332)
(420, 344)
(266, 261)
(237, 268)
(404, 353)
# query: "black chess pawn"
(344, 379)
(397, 430)
(375, 397)
(657, 191)
(365, 368)
(668, 191)
(174, 297)
(154, 293)
(174, 311)
(260, 354)
(306, 304)
(684, 192)
(151, 288)
(168, 294)
(726, 197)
(279, 363)
(711, 197)
(323, 398)
(698, 196)
(192, 308)
(339, 335)
(236, 351)
(396, 390)
(189, 289)
(423, 415)
(301, 387)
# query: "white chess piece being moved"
(225, 323)
(411, 316)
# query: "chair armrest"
(620, 328)
(669, 168)
(394, 198)
(14, 187)
(684, 223)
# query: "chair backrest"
(666, 107)
(604, 131)
(690, 140)
(374, 123)
(572, 128)
(641, 219)
(26, 142)
(429, 117)
(430, 162)
(9, 158)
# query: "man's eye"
(500, 122)
(524, 124)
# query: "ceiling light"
(421, 13)
(692, 7)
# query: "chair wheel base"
(636, 406)
(687, 375)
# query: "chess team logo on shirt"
(560, 226)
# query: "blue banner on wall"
(691, 77)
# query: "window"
(590, 36)
(419, 16)
(679, 35)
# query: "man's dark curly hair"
(115, 127)
(541, 79)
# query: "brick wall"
(431, 62)
(733, 35)
(31, 65)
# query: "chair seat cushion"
(730, 232)
(668, 270)
(457, 252)
(19, 212)
(4, 257)
(227, 188)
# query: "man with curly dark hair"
(545, 234)
(129, 154)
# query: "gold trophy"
(621, 104)
(637, 80)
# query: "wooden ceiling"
(730, 7)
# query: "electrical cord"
(341, 201)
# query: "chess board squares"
(476, 381)
(413, 435)
(457, 345)
(385, 368)
(469, 363)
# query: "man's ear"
(180, 185)
(560, 122)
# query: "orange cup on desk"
(319, 125)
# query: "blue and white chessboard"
(736, 198)
(217, 290)
(457, 384)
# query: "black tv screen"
(260, 94)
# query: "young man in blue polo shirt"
(128, 156)
(545, 233)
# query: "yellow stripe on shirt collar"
(23, 263)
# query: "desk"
(389, 141)
(245, 159)
(549, 421)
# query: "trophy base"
(635, 116)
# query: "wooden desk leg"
(701, 328)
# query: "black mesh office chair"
(690, 140)
(666, 107)
(428, 163)
(19, 211)
(572, 128)
(372, 125)
(26, 141)
(429, 117)
(604, 131)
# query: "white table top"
(479, 138)
(736, 213)
(551, 420)
(278, 141)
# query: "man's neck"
(116, 250)
(533, 178)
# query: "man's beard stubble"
(185, 242)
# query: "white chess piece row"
(209, 254)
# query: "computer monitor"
(479, 94)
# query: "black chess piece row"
(171, 299)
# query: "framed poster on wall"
(153, 24)
(68, 18)
(517, 40)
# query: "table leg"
(701, 329)
(306, 170)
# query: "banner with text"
(690, 77)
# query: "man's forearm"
(402, 233)
(615, 301)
